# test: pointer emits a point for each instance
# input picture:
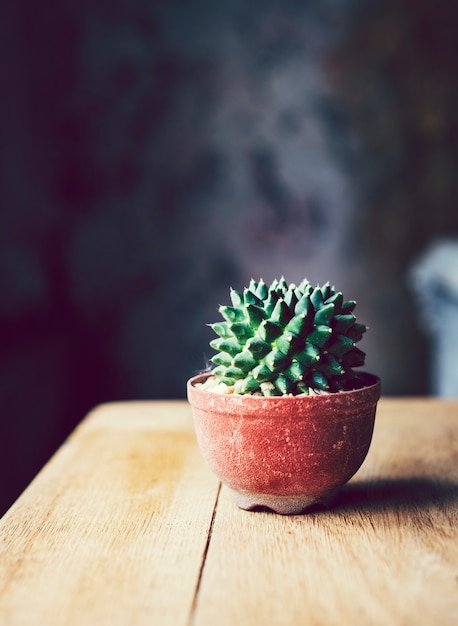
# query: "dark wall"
(155, 153)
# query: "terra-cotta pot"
(285, 453)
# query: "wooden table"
(126, 525)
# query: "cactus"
(287, 339)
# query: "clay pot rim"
(372, 386)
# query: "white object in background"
(435, 279)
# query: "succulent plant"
(286, 339)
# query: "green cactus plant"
(287, 340)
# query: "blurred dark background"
(155, 153)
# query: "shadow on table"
(401, 493)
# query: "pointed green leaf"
(262, 373)
(226, 380)
(222, 329)
(268, 331)
(283, 285)
(298, 325)
(309, 355)
(244, 360)
(273, 285)
(324, 314)
(319, 381)
(246, 385)
(320, 335)
(304, 307)
(356, 331)
(289, 344)
(296, 372)
(305, 286)
(316, 298)
(232, 314)
(330, 366)
(340, 344)
(342, 323)
(327, 291)
(253, 285)
(291, 299)
(241, 330)
(255, 314)
(276, 360)
(222, 358)
(219, 371)
(257, 347)
(348, 306)
(249, 297)
(337, 300)
(230, 345)
(234, 372)
(236, 298)
(270, 302)
(262, 290)
(281, 313)
(283, 384)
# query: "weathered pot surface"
(285, 453)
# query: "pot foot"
(284, 505)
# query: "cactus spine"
(287, 339)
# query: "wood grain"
(385, 553)
(125, 526)
(115, 529)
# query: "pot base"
(284, 505)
